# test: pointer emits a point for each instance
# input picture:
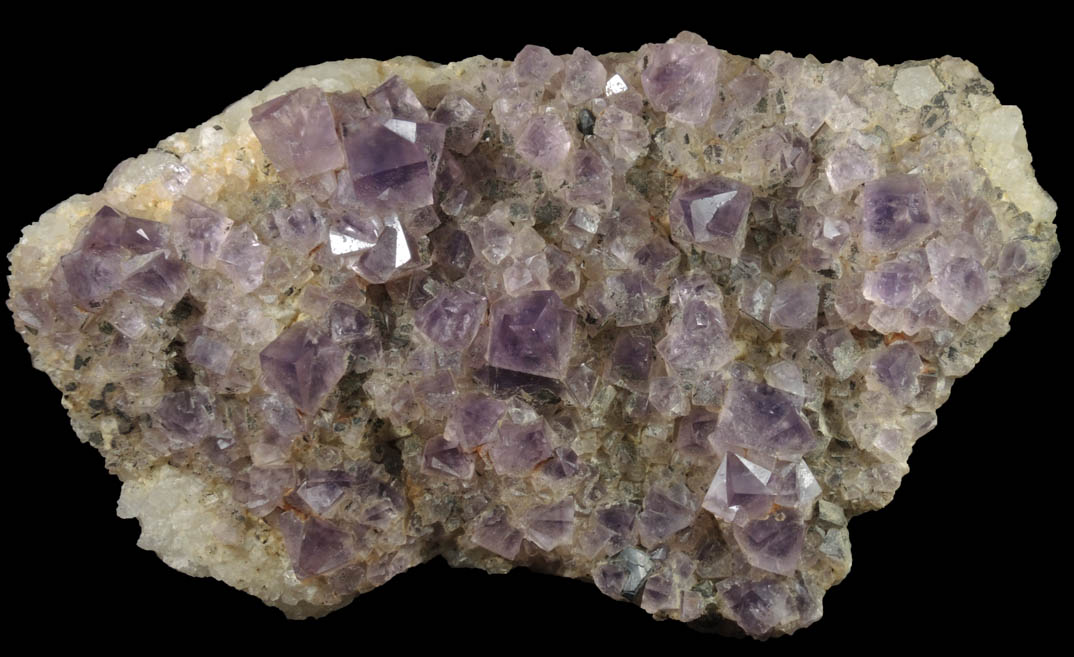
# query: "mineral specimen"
(661, 320)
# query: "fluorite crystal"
(660, 320)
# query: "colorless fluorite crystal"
(660, 320)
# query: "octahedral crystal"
(660, 320)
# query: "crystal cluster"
(661, 320)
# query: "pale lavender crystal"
(895, 213)
(757, 416)
(531, 333)
(680, 79)
(894, 283)
(91, 275)
(758, 605)
(795, 303)
(659, 594)
(631, 360)
(111, 228)
(667, 396)
(838, 350)
(199, 232)
(315, 546)
(563, 464)
(298, 133)
(739, 490)
(848, 167)
(447, 459)
(451, 319)
(696, 340)
(211, 351)
(494, 533)
(354, 330)
(393, 253)
(696, 433)
(544, 143)
(395, 99)
(625, 132)
(658, 260)
(323, 489)
(521, 447)
(666, 510)
(958, 279)
(896, 369)
(474, 420)
(591, 180)
(262, 489)
(774, 543)
(710, 213)
(584, 77)
(301, 226)
(465, 123)
(187, 414)
(536, 65)
(242, 257)
(550, 525)
(158, 280)
(304, 364)
(786, 376)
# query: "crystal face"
(663, 320)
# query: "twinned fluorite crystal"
(660, 320)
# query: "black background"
(972, 549)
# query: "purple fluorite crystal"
(896, 213)
(304, 364)
(679, 77)
(451, 319)
(532, 334)
(710, 213)
(298, 133)
(758, 417)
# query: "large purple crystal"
(532, 334)
(680, 79)
(895, 213)
(758, 417)
(710, 213)
(298, 133)
(304, 364)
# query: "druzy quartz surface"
(660, 320)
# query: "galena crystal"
(660, 320)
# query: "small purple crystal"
(544, 143)
(696, 433)
(666, 510)
(680, 79)
(773, 544)
(757, 416)
(199, 232)
(550, 525)
(532, 334)
(304, 364)
(710, 213)
(896, 213)
(474, 420)
(494, 533)
(521, 447)
(447, 459)
(451, 319)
